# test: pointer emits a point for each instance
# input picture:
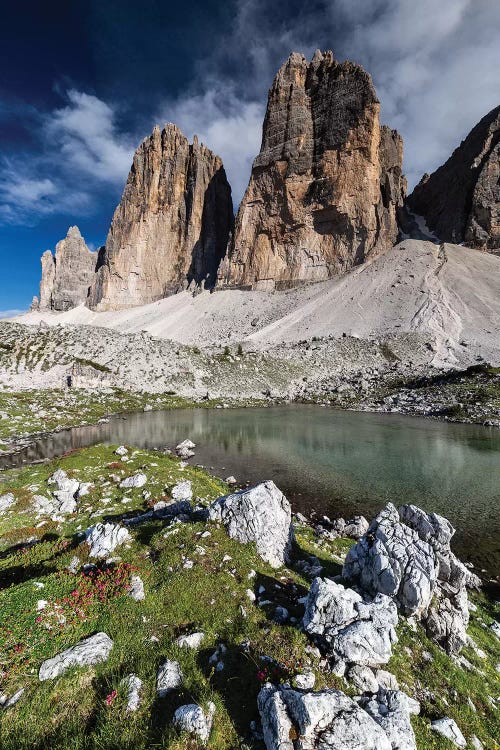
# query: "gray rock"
(133, 686)
(449, 729)
(103, 538)
(356, 527)
(193, 640)
(407, 556)
(327, 720)
(6, 501)
(87, 652)
(182, 491)
(353, 630)
(304, 681)
(391, 709)
(137, 480)
(363, 679)
(168, 678)
(260, 514)
(8, 702)
(193, 719)
(66, 278)
(495, 627)
(393, 560)
(386, 680)
(136, 591)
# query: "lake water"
(335, 462)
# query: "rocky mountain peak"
(460, 201)
(67, 276)
(325, 186)
(171, 227)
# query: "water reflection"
(336, 462)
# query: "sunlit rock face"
(325, 187)
(171, 227)
(67, 276)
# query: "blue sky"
(83, 81)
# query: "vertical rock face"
(66, 278)
(460, 201)
(324, 189)
(172, 225)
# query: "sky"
(82, 82)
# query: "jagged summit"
(67, 276)
(460, 201)
(325, 186)
(171, 227)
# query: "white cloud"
(24, 199)
(80, 154)
(435, 67)
(87, 138)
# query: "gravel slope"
(447, 292)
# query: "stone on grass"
(325, 720)
(133, 685)
(304, 681)
(182, 491)
(449, 729)
(352, 629)
(168, 678)
(260, 514)
(103, 538)
(136, 480)
(6, 501)
(6, 702)
(495, 627)
(89, 651)
(193, 640)
(121, 451)
(193, 719)
(136, 590)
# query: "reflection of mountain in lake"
(336, 462)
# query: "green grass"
(71, 712)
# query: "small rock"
(137, 480)
(103, 538)
(136, 591)
(304, 681)
(449, 729)
(133, 685)
(168, 678)
(194, 640)
(193, 719)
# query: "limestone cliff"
(460, 201)
(67, 276)
(171, 227)
(324, 189)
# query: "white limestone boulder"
(260, 514)
(103, 538)
(89, 651)
(193, 719)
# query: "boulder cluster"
(400, 566)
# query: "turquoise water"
(334, 462)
